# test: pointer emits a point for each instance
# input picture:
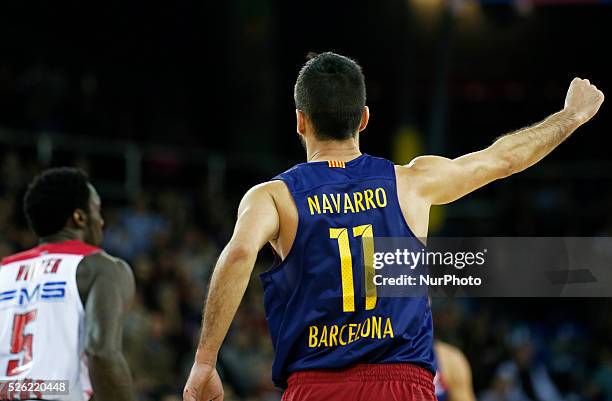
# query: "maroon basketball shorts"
(384, 382)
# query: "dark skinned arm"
(107, 288)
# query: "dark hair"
(330, 89)
(53, 196)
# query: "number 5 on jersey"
(346, 265)
(21, 342)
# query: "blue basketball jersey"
(322, 312)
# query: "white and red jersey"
(42, 319)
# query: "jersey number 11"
(346, 265)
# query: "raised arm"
(107, 302)
(257, 223)
(439, 180)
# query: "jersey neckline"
(70, 247)
(325, 162)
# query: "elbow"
(502, 161)
(492, 169)
(99, 347)
(104, 355)
(505, 166)
(508, 167)
(238, 253)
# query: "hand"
(203, 384)
(583, 100)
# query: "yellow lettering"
(340, 339)
(312, 336)
(333, 332)
(336, 201)
(376, 327)
(347, 204)
(366, 333)
(326, 205)
(348, 333)
(346, 268)
(323, 339)
(357, 337)
(314, 205)
(358, 199)
(388, 328)
(381, 197)
(369, 199)
(351, 336)
(358, 202)
(367, 233)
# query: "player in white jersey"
(62, 303)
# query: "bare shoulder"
(105, 264)
(274, 187)
(285, 213)
(403, 173)
(417, 170)
(106, 268)
(275, 190)
(405, 176)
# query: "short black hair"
(53, 196)
(330, 89)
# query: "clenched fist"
(583, 100)
(203, 384)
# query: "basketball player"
(62, 303)
(453, 379)
(315, 216)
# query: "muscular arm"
(107, 301)
(257, 223)
(439, 180)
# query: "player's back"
(322, 311)
(42, 317)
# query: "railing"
(46, 145)
(133, 155)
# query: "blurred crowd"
(519, 350)
(538, 349)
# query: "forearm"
(438, 180)
(228, 285)
(528, 146)
(110, 377)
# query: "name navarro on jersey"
(374, 327)
(354, 202)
